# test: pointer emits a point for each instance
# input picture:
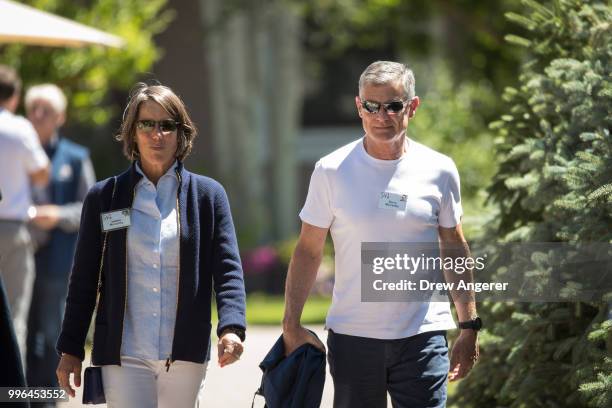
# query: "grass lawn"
(265, 309)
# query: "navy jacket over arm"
(294, 381)
(208, 259)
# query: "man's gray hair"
(386, 72)
(47, 92)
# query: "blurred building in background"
(264, 111)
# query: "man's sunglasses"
(389, 107)
(166, 126)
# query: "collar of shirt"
(158, 200)
(52, 145)
(170, 172)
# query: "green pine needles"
(554, 183)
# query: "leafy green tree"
(90, 74)
(467, 34)
(554, 183)
(452, 119)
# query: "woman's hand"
(69, 364)
(229, 348)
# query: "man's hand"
(295, 337)
(47, 216)
(69, 364)
(464, 354)
(229, 348)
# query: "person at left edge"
(23, 163)
(153, 320)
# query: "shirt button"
(154, 289)
(154, 314)
(155, 265)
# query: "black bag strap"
(99, 286)
(253, 401)
(259, 391)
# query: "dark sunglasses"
(389, 107)
(166, 126)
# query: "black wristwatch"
(238, 331)
(474, 324)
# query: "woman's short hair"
(171, 103)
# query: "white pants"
(140, 383)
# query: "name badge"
(392, 201)
(114, 220)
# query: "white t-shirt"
(344, 196)
(20, 155)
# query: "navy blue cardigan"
(208, 259)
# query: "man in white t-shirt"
(383, 187)
(23, 163)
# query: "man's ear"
(358, 104)
(61, 119)
(13, 102)
(413, 105)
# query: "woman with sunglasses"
(154, 243)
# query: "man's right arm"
(36, 159)
(301, 276)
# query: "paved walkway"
(233, 386)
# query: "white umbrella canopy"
(26, 25)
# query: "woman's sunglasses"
(389, 107)
(166, 126)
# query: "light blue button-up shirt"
(152, 276)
